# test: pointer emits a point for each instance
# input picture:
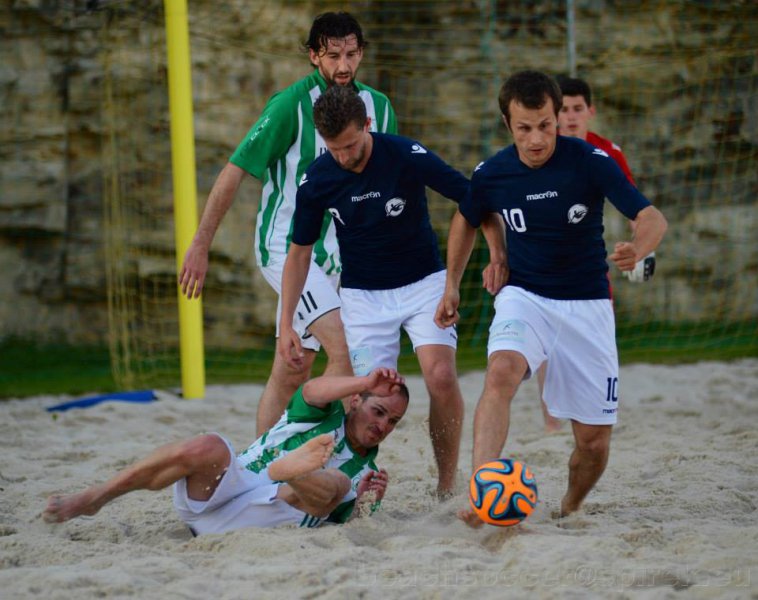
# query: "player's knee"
(597, 446)
(329, 497)
(342, 487)
(442, 374)
(203, 449)
(505, 372)
(288, 378)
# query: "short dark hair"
(404, 392)
(337, 25)
(573, 86)
(336, 108)
(530, 88)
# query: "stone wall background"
(85, 184)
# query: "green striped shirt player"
(301, 422)
(315, 465)
(277, 150)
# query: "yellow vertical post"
(185, 190)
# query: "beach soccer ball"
(503, 492)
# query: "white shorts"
(318, 298)
(576, 337)
(242, 499)
(373, 318)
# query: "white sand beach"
(674, 516)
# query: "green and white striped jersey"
(277, 150)
(299, 423)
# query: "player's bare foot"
(63, 508)
(468, 516)
(566, 508)
(312, 455)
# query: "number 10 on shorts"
(613, 388)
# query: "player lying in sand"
(311, 467)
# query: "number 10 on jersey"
(515, 219)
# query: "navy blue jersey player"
(554, 216)
(380, 215)
(556, 307)
(373, 185)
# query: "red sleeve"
(613, 151)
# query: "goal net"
(674, 85)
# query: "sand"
(673, 516)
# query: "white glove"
(643, 270)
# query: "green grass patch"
(31, 369)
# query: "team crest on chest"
(394, 207)
(576, 213)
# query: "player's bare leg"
(586, 464)
(318, 493)
(281, 385)
(284, 381)
(505, 370)
(445, 411)
(552, 424)
(308, 487)
(330, 332)
(202, 460)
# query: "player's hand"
(192, 273)
(290, 349)
(446, 314)
(624, 256)
(494, 277)
(375, 482)
(383, 381)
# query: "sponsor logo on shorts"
(479, 166)
(609, 411)
(576, 213)
(510, 331)
(360, 358)
(304, 179)
(394, 207)
(418, 149)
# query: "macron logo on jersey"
(479, 166)
(600, 152)
(304, 179)
(418, 149)
(542, 196)
(365, 196)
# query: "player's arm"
(321, 391)
(293, 279)
(195, 264)
(495, 274)
(460, 243)
(649, 228)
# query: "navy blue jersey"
(554, 216)
(384, 233)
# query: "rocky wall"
(84, 152)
